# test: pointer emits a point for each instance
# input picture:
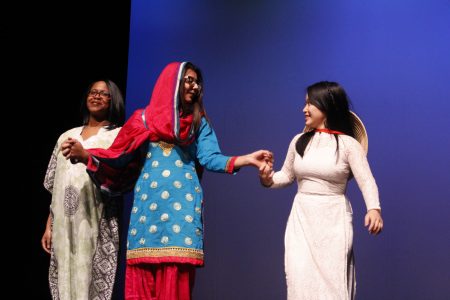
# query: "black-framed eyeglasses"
(192, 81)
(102, 94)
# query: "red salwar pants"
(168, 281)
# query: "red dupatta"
(116, 168)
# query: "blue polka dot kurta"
(166, 217)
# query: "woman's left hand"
(73, 150)
(78, 153)
(373, 221)
(266, 175)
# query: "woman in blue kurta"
(161, 151)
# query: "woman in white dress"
(319, 260)
(82, 233)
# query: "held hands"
(266, 174)
(256, 159)
(73, 150)
(373, 221)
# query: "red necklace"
(328, 131)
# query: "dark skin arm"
(46, 240)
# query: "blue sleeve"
(208, 151)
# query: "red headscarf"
(159, 121)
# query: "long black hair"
(332, 100)
(196, 108)
(116, 114)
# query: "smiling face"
(314, 117)
(98, 100)
(191, 86)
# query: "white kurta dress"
(319, 233)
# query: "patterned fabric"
(319, 260)
(85, 232)
(166, 218)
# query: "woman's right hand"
(46, 240)
(266, 175)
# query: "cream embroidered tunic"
(84, 237)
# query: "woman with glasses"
(319, 234)
(161, 152)
(82, 228)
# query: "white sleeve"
(360, 168)
(286, 175)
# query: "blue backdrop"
(257, 57)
